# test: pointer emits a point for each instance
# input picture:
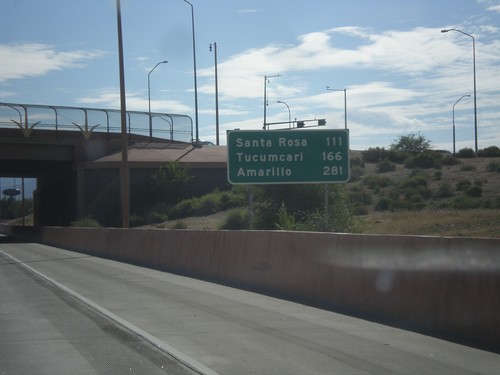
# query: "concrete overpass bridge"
(74, 153)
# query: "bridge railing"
(29, 117)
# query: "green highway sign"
(287, 156)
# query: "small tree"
(411, 143)
(169, 184)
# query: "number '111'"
(334, 141)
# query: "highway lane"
(224, 330)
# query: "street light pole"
(216, 95)
(474, 70)
(463, 96)
(289, 113)
(124, 168)
(149, 100)
(265, 96)
(345, 103)
(197, 142)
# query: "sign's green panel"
(287, 156)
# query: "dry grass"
(454, 223)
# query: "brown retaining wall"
(449, 287)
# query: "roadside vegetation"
(408, 188)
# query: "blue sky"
(401, 73)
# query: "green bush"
(156, 217)
(492, 151)
(206, 205)
(374, 155)
(377, 181)
(466, 153)
(360, 196)
(386, 166)
(424, 160)
(86, 222)
(474, 191)
(183, 209)
(464, 202)
(468, 168)
(383, 204)
(397, 156)
(179, 224)
(463, 185)
(445, 190)
(450, 160)
(236, 219)
(493, 166)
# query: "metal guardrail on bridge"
(27, 117)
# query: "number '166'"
(332, 156)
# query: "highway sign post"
(288, 156)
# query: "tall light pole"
(474, 69)
(124, 180)
(197, 142)
(289, 113)
(345, 103)
(216, 95)
(149, 99)
(463, 96)
(265, 97)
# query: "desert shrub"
(356, 173)
(414, 182)
(156, 217)
(493, 166)
(397, 156)
(449, 160)
(438, 175)
(463, 185)
(377, 181)
(360, 211)
(466, 153)
(492, 151)
(86, 222)
(235, 197)
(474, 191)
(419, 172)
(183, 209)
(374, 155)
(357, 162)
(236, 219)
(360, 196)
(386, 166)
(464, 202)
(136, 220)
(207, 204)
(383, 204)
(179, 224)
(424, 160)
(468, 168)
(444, 190)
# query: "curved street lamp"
(289, 113)
(197, 143)
(345, 103)
(463, 96)
(149, 99)
(266, 78)
(474, 70)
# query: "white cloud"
(110, 98)
(35, 59)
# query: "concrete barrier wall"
(449, 287)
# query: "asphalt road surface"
(63, 312)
